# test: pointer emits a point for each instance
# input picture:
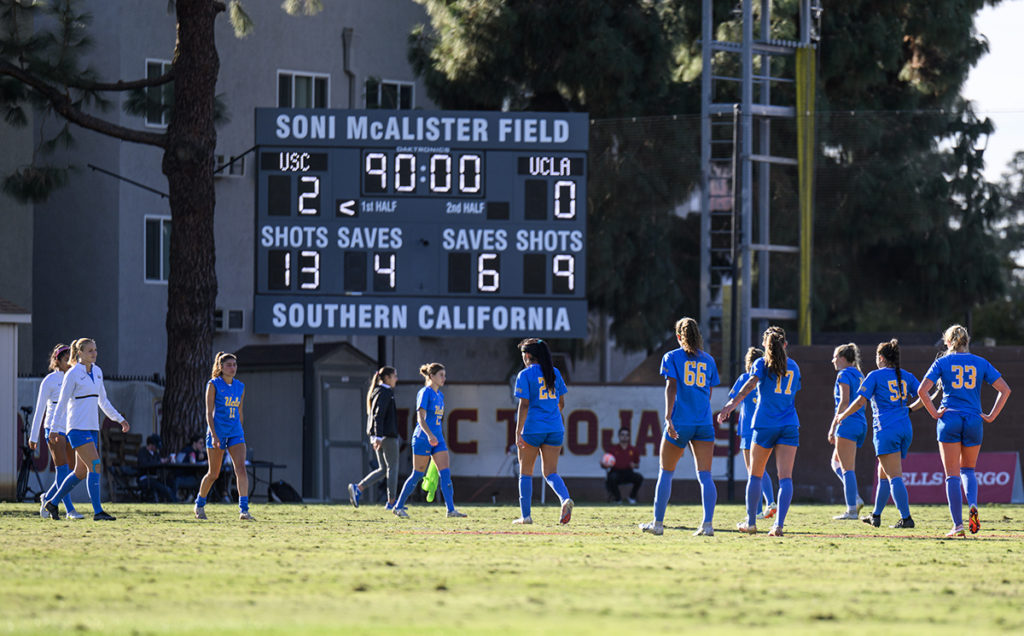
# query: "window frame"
(313, 76)
(381, 81)
(165, 66)
(163, 220)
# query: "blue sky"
(996, 84)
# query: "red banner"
(998, 477)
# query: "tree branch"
(63, 105)
(121, 85)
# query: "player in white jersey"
(60, 448)
(81, 393)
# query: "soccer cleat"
(53, 510)
(631, 501)
(906, 522)
(849, 514)
(973, 523)
(103, 516)
(525, 521)
(705, 531)
(776, 531)
(455, 513)
(245, 516)
(873, 520)
(759, 515)
(353, 495)
(42, 510)
(566, 515)
(957, 531)
(770, 511)
(747, 528)
(653, 527)
(401, 513)
(860, 504)
(200, 512)
(74, 514)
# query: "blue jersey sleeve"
(867, 387)
(668, 370)
(740, 381)
(912, 386)
(990, 374)
(758, 369)
(424, 400)
(713, 378)
(522, 390)
(560, 388)
(934, 372)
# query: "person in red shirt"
(627, 461)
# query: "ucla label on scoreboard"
(471, 223)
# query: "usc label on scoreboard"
(421, 222)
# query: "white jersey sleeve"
(60, 411)
(105, 404)
(49, 391)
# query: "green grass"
(331, 569)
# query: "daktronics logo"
(986, 478)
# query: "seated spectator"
(152, 487)
(192, 453)
(627, 461)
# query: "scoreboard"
(420, 222)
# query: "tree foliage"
(906, 226)
(42, 67)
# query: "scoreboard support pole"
(308, 416)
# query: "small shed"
(11, 316)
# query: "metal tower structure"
(737, 158)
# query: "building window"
(302, 90)
(222, 169)
(228, 320)
(158, 98)
(389, 94)
(158, 249)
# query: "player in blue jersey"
(745, 432)
(776, 425)
(539, 428)
(850, 436)
(224, 396)
(428, 440)
(689, 374)
(960, 420)
(889, 388)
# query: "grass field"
(335, 570)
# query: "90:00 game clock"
(421, 222)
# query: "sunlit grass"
(333, 569)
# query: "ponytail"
(218, 363)
(957, 337)
(890, 352)
(375, 382)
(538, 350)
(753, 353)
(849, 352)
(774, 350)
(689, 336)
(76, 348)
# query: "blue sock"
(92, 483)
(767, 489)
(558, 486)
(200, 501)
(446, 488)
(753, 496)
(62, 473)
(525, 494)
(410, 483)
(956, 507)
(850, 489)
(243, 504)
(662, 492)
(900, 496)
(970, 484)
(785, 498)
(58, 479)
(66, 487)
(708, 494)
(881, 496)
